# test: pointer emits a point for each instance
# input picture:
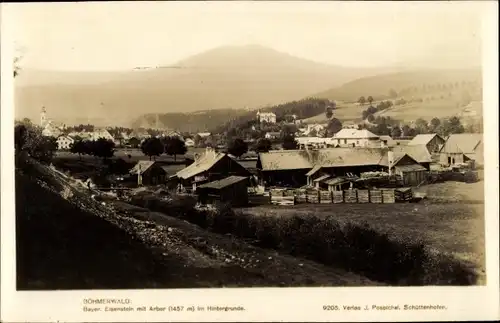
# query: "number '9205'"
(330, 308)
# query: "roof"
(314, 170)
(385, 137)
(225, 182)
(143, 165)
(410, 168)
(423, 139)
(321, 178)
(172, 169)
(347, 133)
(462, 143)
(418, 152)
(328, 157)
(204, 163)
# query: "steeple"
(43, 117)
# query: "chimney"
(390, 160)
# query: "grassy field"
(452, 228)
(408, 112)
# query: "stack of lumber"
(325, 197)
(283, 200)
(388, 196)
(338, 196)
(312, 195)
(363, 196)
(376, 196)
(300, 196)
(350, 196)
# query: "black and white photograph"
(173, 145)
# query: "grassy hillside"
(427, 95)
(406, 84)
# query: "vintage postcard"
(249, 161)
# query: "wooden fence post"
(331, 196)
(357, 198)
(319, 196)
(343, 196)
(270, 197)
(381, 196)
(369, 197)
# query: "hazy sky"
(123, 35)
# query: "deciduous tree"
(152, 147)
(237, 147)
(175, 146)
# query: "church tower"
(43, 117)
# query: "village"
(352, 166)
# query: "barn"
(147, 172)
(210, 166)
(432, 141)
(232, 190)
(461, 148)
(409, 169)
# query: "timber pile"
(351, 196)
(388, 196)
(325, 197)
(338, 196)
(376, 196)
(363, 196)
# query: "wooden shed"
(148, 173)
(232, 190)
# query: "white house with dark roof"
(268, 117)
(355, 138)
(64, 142)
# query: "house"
(64, 142)
(208, 167)
(408, 168)
(232, 190)
(101, 133)
(272, 135)
(189, 142)
(387, 141)
(204, 134)
(147, 172)
(432, 141)
(311, 128)
(50, 130)
(313, 142)
(268, 117)
(461, 148)
(309, 167)
(355, 138)
(172, 134)
(417, 152)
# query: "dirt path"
(237, 264)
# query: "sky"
(123, 35)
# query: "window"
(345, 141)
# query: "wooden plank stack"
(325, 197)
(388, 196)
(338, 196)
(376, 196)
(363, 196)
(351, 196)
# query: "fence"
(291, 197)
